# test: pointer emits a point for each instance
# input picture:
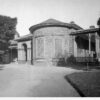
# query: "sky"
(30, 12)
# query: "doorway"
(25, 51)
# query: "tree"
(98, 22)
(7, 30)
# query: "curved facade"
(51, 43)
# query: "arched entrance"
(25, 51)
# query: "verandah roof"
(86, 31)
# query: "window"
(39, 47)
(58, 47)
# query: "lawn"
(86, 83)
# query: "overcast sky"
(31, 12)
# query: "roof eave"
(24, 39)
(35, 27)
(85, 31)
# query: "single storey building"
(51, 40)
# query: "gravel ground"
(23, 80)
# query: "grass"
(86, 83)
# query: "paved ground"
(34, 81)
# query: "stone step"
(42, 63)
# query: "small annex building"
(52, 39)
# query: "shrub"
(71, 60)
(61, 62)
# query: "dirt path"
(32, 81)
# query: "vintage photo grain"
(49, 48)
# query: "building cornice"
(54, 23)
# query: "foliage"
(61, 62)
(98, 22)
(71, 60)
(7, 30)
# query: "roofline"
(23, 38)
(86, 31)
(35, 27)
(12, 47)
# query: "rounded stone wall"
(50, 43)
